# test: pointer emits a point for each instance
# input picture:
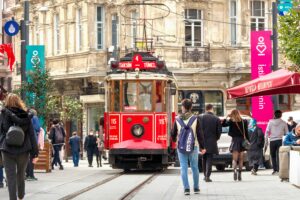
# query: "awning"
(278, 82)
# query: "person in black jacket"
(57, 136)
(212, 130)
(238, 130)
(90, 145)
(15, 158)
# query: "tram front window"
(145, 93)
(137, 96)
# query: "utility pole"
(275, 46)
(24, 42)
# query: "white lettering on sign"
(261, 103)
(113, 121)
(261, 46)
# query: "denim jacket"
(291, 139)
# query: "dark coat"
(52, 133)
(16, 116)
(90, 143)
(256, 139)
(75, 143)
(212, 130)
(234, 131)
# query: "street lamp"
(24, 42)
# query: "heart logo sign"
(261, 48)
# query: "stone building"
(5, 74)
(204, 42)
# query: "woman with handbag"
(17, 141)
(238, 130)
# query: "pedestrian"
(100, 149)
(291, 124)
(36, 128)
(15, 153)
(293, 137)
(75, 142)
(257, 141)
(1, 176)
(90, 145)
(189, 142)
(275, 131)
(57, 136)
(212, 130)
(238, 131)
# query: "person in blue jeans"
(75, 148)
(191, 157)
(1, 177)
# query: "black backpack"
(58, 135)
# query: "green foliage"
(289, 37)
(72, 109)
(37, 90)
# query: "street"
(104, 183)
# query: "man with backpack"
(187, 132)
(57, 137)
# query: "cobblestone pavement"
(166, 186)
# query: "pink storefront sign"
(261, 62)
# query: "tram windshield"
(133, 96)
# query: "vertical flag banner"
(35, 60)
(261, 62)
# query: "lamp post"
(24, 42)
(275, 46)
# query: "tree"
(71, 109)
(37, 90)
(289, 37)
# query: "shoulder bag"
(245, 143)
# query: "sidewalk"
(59, 183)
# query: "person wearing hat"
(256, 139)
(293, 137)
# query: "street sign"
(285, 7)
(11, 28)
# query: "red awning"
(278, 82)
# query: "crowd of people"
(203, 133)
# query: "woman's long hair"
(235, 116)
(14, 101)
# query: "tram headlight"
(137, 130)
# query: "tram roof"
(141, 75)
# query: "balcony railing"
(195, 54)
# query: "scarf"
(252, 125)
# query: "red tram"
(140, 103)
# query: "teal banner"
(35, 62)
(35, 57)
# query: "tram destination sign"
(137, 63)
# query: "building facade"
(205, 43)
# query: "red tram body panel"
(139, 113)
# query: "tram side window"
(145, 93)
(130, 96)
(158, 100)
(116, 92)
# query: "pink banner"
(261, 62)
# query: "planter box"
(44, 161)
(295, 167)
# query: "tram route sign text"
(137, 63)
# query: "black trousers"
(90, 155)
(274, 151)
(207, 164)
(99, 158)
(56, 158)
(15, 167)
(30, 168)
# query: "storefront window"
(284, 102)
(216, 99)
(200, 98)
(244, 105)
(94, 114)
